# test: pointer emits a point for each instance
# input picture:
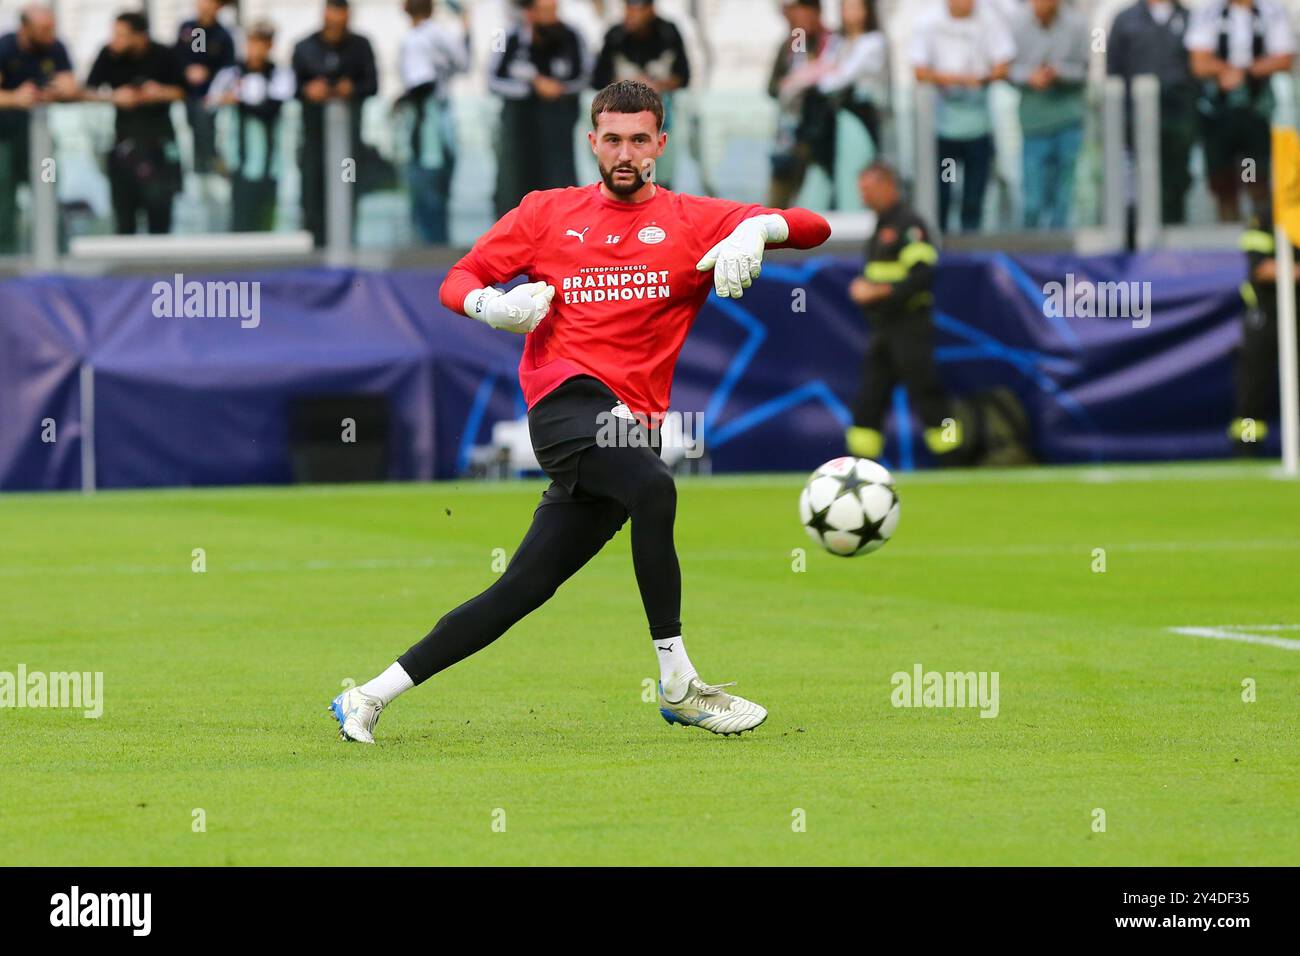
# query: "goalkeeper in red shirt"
(617, 272)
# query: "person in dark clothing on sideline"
(894, 291)
(1257, 365)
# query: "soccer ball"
(849, 506)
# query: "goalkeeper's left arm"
(737, 260)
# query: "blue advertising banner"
(1114, 358)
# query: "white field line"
(1239, 632)
(1265, 627)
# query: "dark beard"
(619, 189)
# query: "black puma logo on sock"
(663, 649)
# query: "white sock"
(388, 685)
(675, 667)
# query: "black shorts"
(569, 420)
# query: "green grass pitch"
(541, 749)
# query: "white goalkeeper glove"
(519, 310)
(737, 260)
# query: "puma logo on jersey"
(580, 236)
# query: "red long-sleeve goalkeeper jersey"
(626, 286)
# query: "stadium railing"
(721, 146)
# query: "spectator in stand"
(145, 78)
(34, 69)
(332, 65)
(647, 48)
(805, 133)
(542, 68)
(644, 47)
(1050, 67)
(855, 70)
(1236, 47)
(254, 91)
(204, 48)
(960, 47)
(431, 54)
(1148, 38)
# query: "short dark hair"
(135, 21)
(628, 96)
(419, 8)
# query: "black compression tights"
(566, 533)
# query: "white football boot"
(357, 714)
(708, 706)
